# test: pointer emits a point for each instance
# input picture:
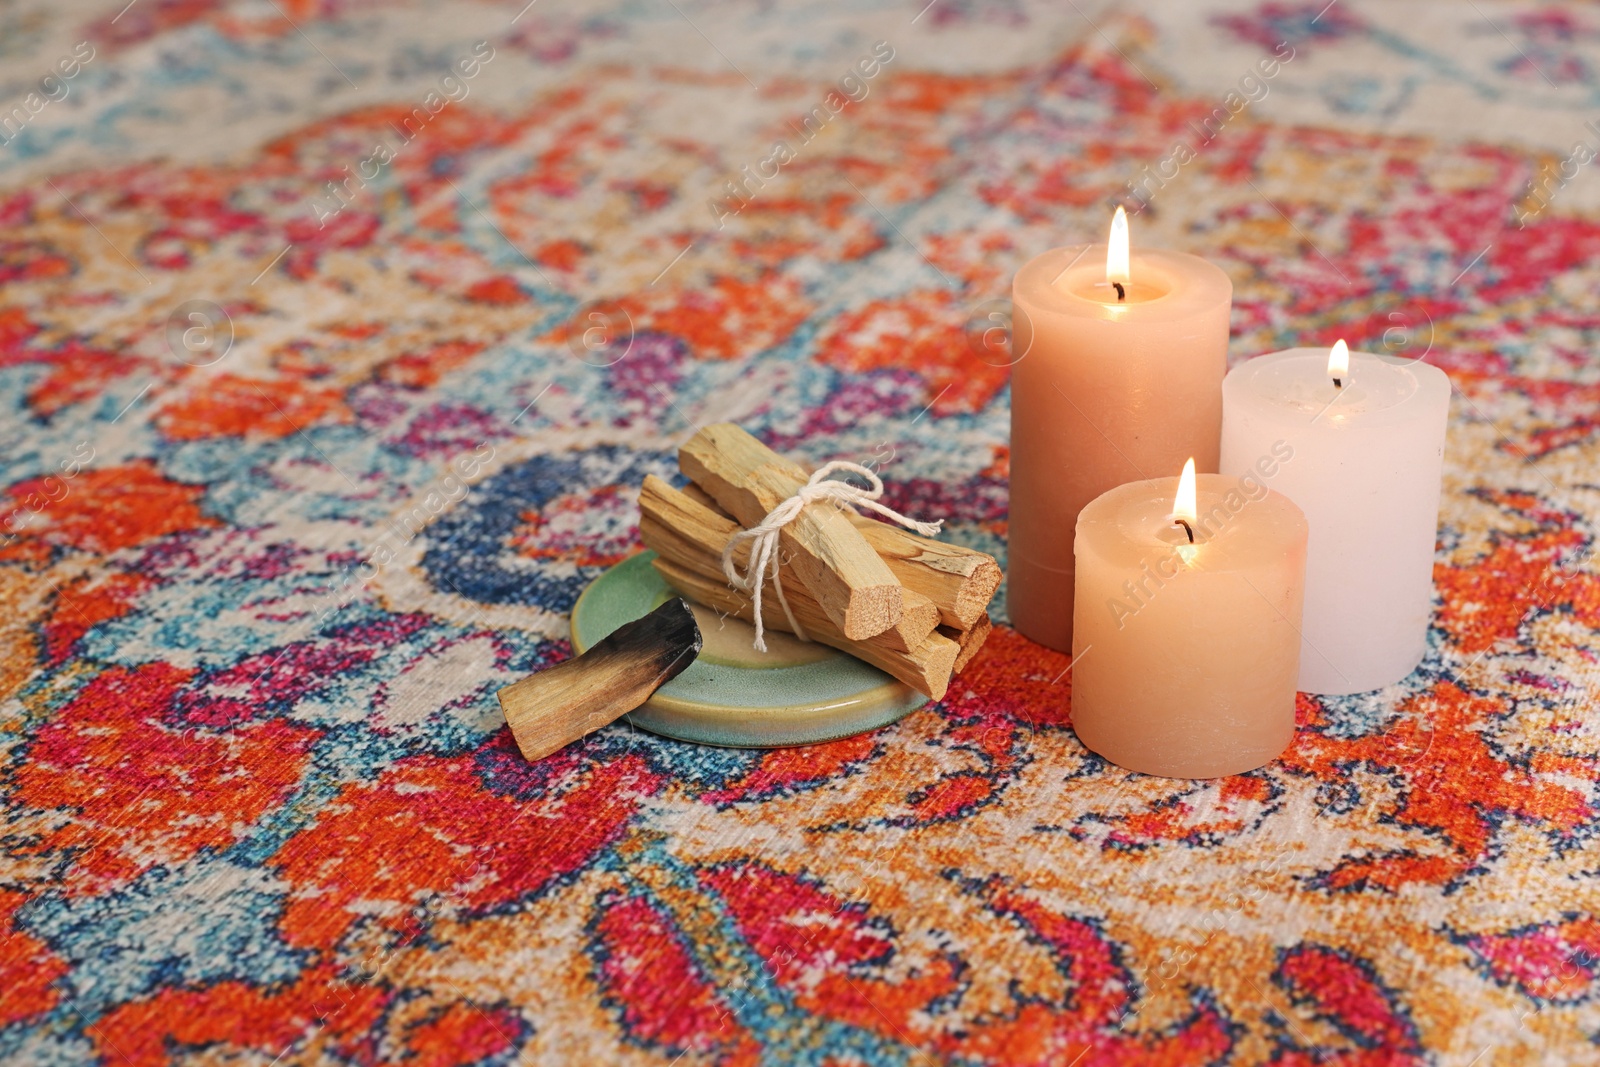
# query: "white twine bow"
(764, 538)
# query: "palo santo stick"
(681, 527)
(703, 498)
(919, 618)
(970, 640)
(961, 581)
(964, 578)
(550, 710)
(926, 670)
(854, 586)
(668, 542)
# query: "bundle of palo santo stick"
(912, 606)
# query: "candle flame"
(1117, 250)
(1184, 506)
(1339, 360)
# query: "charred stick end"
(549, 710)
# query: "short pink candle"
(1105, 390)
(1185, 654)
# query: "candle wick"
(1337, 384)
(1122, 294)
(1186, 529)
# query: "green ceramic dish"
(794, 694)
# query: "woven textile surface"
(336, 338)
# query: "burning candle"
(1186, 633)
(1119, 361)
(1367, 436)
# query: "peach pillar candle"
(1367, 435)
(1118, 376)
(1185, 654)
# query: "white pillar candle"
(1360, 448)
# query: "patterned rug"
(335, 341)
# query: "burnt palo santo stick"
(850, 581)
(926, 670)
(551, 709)
(684, 528)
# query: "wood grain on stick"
(551, 709)
(683, 527)
(926, 670)
(853, 585)
(970, 640)
(961, 581)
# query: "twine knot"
(763, 538)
